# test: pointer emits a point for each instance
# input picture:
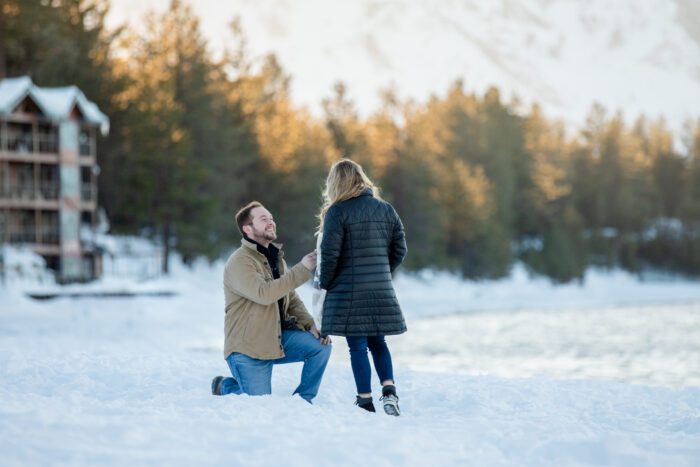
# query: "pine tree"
(347, 132)
(167, 135)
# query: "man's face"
(263, 228)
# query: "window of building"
(85, 140)
(87, 192)
(49, 227)
(19, 137)
(49, 181)
(48, 138)
(22, 181)
(22, 227)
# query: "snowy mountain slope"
(641, 57)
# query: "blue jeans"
(360, 363)
(254, 377)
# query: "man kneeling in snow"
(266, 322)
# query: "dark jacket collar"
(366, 192)
(255, 246)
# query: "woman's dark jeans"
(360, 363)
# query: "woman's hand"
(324, 340)
(309, 261)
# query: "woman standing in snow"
(363, 243)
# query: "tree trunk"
(165, 269)
(3, 57)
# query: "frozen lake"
(656, 345)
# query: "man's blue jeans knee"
(254, 377)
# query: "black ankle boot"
(365, 403)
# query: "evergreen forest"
(479, 181)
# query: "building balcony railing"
(25, 145)
(24, 140)
(49, 191)
(45, 236)
(21, 144)
(48, 144)
(28, 191)
(45, 192)
(22, 235)
(49, 236)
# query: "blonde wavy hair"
(346, 180)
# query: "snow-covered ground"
(511, 372)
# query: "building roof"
(56, 103)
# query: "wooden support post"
(37, 226)
(36, 190)
(5, 142)
(35, 137)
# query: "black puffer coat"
(363, 243)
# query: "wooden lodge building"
(48, 175)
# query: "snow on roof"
(56, 103)
(11, 91)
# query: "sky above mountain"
(638, 57)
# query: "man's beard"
(264, 234)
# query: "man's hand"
(309, 261)
(324, 340)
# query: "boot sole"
(216, 386)
(391, 409)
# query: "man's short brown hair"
(244, 217)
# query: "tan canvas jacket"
(252, 322)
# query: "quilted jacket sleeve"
(397, 247)
(331, 246)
